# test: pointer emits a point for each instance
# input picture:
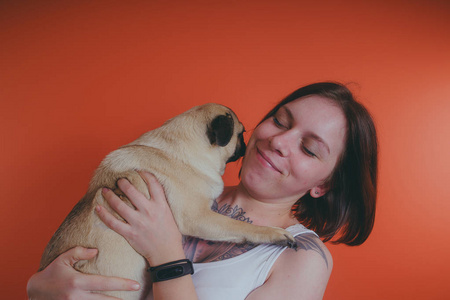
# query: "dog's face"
(224, 131)
(209, 132)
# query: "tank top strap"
(298, 229)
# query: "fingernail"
(91, 251)
(135, 286)
(98, 208)
(104, 190)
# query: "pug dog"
(187, 155)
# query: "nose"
(281, 143)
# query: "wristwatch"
(171, 270)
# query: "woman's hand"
(61, 281)
(150, 228)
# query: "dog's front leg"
(208, 225)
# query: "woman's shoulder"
(308, 244)
(311, 249)
(309, 267)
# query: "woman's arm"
(151, 230)
(60, 280)
(301, 274)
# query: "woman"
(311, 161)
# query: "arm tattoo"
(307, 242)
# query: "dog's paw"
(277, 236)
(288, 241)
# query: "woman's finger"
(154, 187)
(104, 283)
(135, 196)
(76, 254)
(118, 205)
(112, 222)
(60, 279)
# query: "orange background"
(80, 78)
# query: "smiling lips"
(266, 161)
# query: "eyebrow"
(311, 134)
(288, 111)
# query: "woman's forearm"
(178, 288)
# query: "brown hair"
(348, 208)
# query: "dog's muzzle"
(240, 150)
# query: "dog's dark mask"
(240, 149)
(220, 133)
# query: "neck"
(259, 212)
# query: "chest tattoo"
(202, 251)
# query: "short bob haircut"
(348, 208)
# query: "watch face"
(171, 270)
(170, 273)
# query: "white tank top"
(235, 278)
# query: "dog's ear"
(221, 130)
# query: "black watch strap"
(171, 270)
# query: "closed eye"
(308, 152)
(277, 122)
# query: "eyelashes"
(308, 152)
(277, 122)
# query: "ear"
(221, 130)
(318, 191)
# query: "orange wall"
(79, 79)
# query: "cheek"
(322, 175)
(264, 130)
(310, 174)
(248, 155)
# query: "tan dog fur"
(189, 167)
